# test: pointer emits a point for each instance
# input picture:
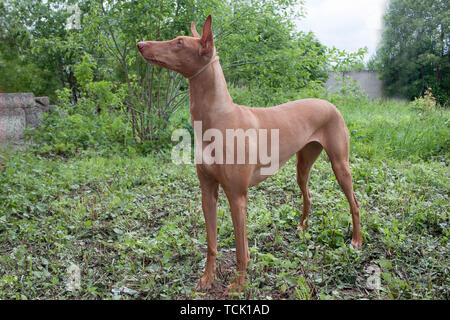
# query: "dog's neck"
(209, 96)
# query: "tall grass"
(396, 129)
(378, 128)
(135, 221)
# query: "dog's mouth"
(157, 62)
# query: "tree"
(257, 42)
(37, 52)
(112, 29)
(260, 47)
(414, 51)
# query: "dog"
(305, 127)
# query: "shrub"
(74, 129)
(427, 103)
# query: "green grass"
(136, 222)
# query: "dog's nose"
(140, 45)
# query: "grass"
(136, 221)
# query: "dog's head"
(185, 55)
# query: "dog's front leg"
(238, 205)
(210, 193)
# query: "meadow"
(132, 224)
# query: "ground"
(135, 222)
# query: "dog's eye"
(179, 42)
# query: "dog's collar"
(216, 58)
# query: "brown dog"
(305, 127)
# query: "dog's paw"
(302, 227)
(357, 243)
(204, 283)
(233, 289)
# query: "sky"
(345, 24)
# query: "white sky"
(345, 24)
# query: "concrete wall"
(367, 80)
(18, 111)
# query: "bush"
(96, 124)
(79, 128)
(425, 104)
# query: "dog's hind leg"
(337, 147)
(305, 159)
(343, 175)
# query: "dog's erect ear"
(194, 30)
(207, 39)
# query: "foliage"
(414, 52)
(152, 94)
(79, 129)
(400, 133)
(35, 43)
(343, 61)
(380, 129)
(425, 104)
(256, 40)
(261, 49)
(84, 194)
(112, 217)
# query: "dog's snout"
(140, 45)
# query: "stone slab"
(17, 100)
(33, 116)
(12, 123)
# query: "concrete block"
(33, 116)
(17, 100)
(12, 123)
(42, 101)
